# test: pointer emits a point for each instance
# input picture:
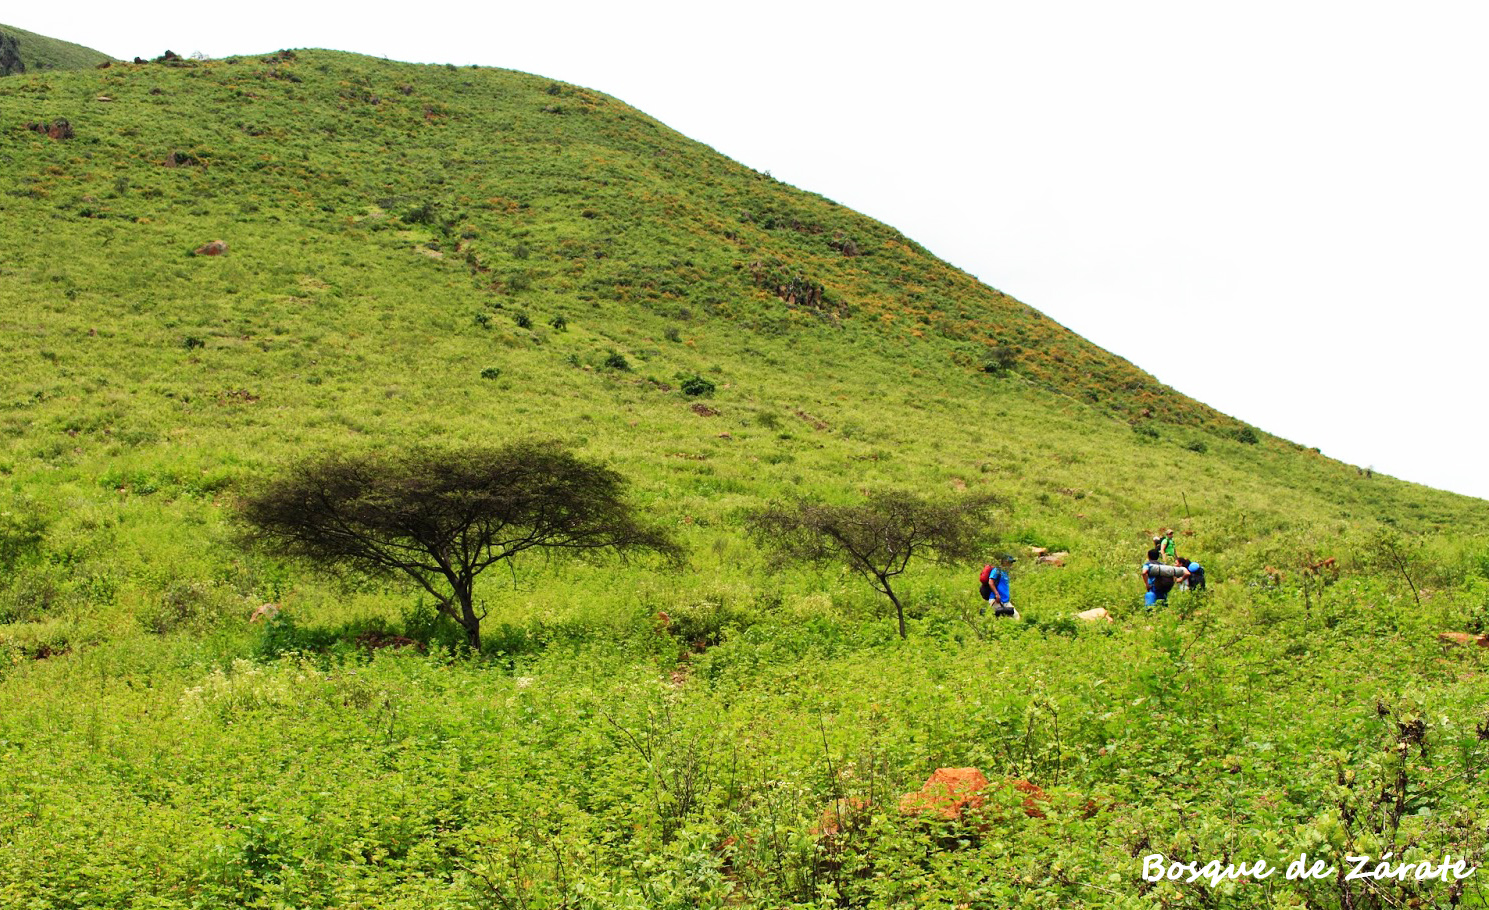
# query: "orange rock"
(1463, 638)
(1033, 799)
(847, 812)
(267, 611)
(1095, 614)
(948, 793)
(951, 791)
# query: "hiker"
(1164, 543)
(1159, 578)
(1196, 579)
(994, 588)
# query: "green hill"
(22, 51)
(432, 253)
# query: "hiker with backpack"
(993, 586)
(1160, 578)
(1196, 579)
(1164, 543)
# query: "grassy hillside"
(26, 52)
(436, 253)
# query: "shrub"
(491, 373)
(1198, 446)
(672, 334)
(423, 214)
(191, 343)
(615, 360)
(483, 320)
(1247, 435)
(184, 605)
(559, 323)
(523, 320)
(22, 532)
(696, 387)
(1144, 431)
(999, 360)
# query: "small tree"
(878, 538)
(1390, 552)
(441, 517)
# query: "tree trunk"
(899, 608)
(468, 618)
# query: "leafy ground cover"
(424, 253)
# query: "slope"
(22, 51)
(431, 252)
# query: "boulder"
(215, 248)
(844, 813)
(57, 129)
(1095, 615)
(1033, 796)
(948, 793)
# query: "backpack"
(986, 571)
(1158, 570)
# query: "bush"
(195, 605)
(1198, 446)
(1001, 359)
(191, 343)
(706, 623)
(523, 320)
(491, 373)
(672, 334)
(1144, 431)
(697, 387)
(559, 323)
(281, 635)
(1247, 435)
(22, 531)
(423, 214)
(615, 360)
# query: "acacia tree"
(878, 538)
(442, 516)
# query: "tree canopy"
(878, 537)
(442, 516)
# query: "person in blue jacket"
(1159, 579)
(995, 587)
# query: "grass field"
(437, 254)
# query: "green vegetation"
(26, 52)
(470, 256)
(440, 518)
(876, 538)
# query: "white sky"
(1278, 208)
